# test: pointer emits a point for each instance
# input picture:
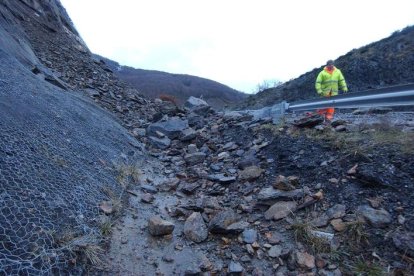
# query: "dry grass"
(106, 225)
(303, 233)
(274, 129)
(367, 268)
(356, 234)
(364, 141)
(127, 174)
(93, 254)
(85, 248)
(168, 98)
(401, 139)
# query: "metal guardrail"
(401, 95)
(391, 96)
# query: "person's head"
(330, 64)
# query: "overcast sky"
(238, 43)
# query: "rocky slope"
(243, 196)
(156, 83)
(384, 63)
(97, 180)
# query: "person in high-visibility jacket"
(327, 84)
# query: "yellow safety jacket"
(327, 82)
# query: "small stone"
(168, 258)
(337, 211)
(334, 180)
(250, 249)
(191, 148)
(340, 128)
(280, 210)
(293, 180)
(219, 223)
(376, 217)
(250, 173)
(107, 207)
(305, 260)
(375, 202)
(195, 229)
(249, 235)
(147, 198)
(160, 227)
(275, 251)
(320, 263)
(401, 219)
(353, 170)
(283, 183)
(274, 237)
(260, 254)
(235, 267)
(338, 225)
(320, 221)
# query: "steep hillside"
(155, 83)
(384, 63)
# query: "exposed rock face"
(49, 14)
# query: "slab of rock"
(172, 128)
(337, 211)
(280, 210)
(221, 178)
(220, 222)
(237, 227)
(379, 218)
(149, 189)
(189, 188)
(193, 102)
(196, 121)
(195, 158)
(309, 121)
(188, 134)
(269, 196)
(161, 143)
(159, 227)
(195, 229)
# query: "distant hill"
(153, 83)
(387, 62)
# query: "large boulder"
(172, 128)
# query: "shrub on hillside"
(168, 98)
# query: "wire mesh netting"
(57, 155)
